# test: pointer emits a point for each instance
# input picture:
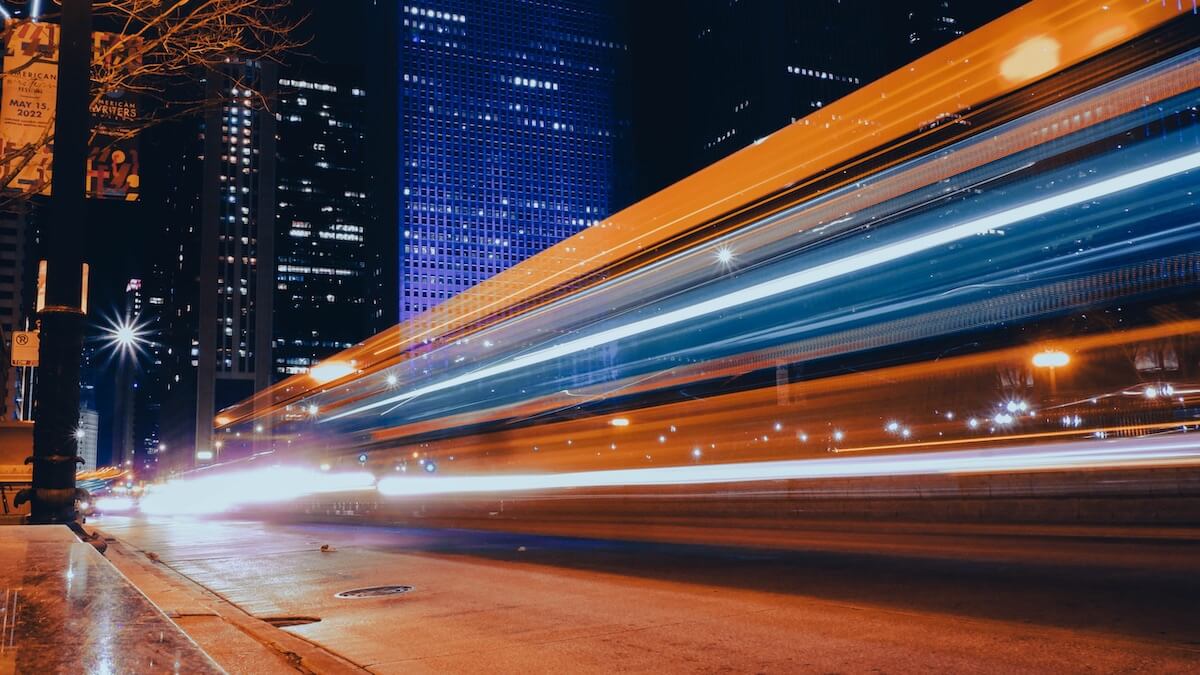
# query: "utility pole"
(55, 447)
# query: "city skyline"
(595, 336)
(476, 238)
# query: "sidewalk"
(67, 610)
(239, 642)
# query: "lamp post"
(55, 446)
(1052, 359)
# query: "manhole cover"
(373, 591)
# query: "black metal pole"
(55, 448)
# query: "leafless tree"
(155, 49)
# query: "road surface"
(509, 603)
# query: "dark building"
(328, 258)
(141, 374)
(714, 76)
(512, 120)
(275, 259)
(218, 204)
(14, 264)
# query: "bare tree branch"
(158, 46)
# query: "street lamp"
(1051, 359)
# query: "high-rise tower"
(512, 120)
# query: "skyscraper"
(219, 213)
(328, 259)
(276, 264)
(512, 122)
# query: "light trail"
(221, 492)
(274, 485)
(865, 136)
(1017, 459)
(818, 274)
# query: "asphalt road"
(507, 603)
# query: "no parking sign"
(25, 348)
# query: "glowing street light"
(619, 422)
(1051, 358)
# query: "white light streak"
(114, 504)
(848, 265)
(329, 371)
(1059, 456)
(221, 492)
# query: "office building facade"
(219, 219)
(329, 260)
(276, 265)
(512, 121)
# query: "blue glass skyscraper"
(511, 129)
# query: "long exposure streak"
(818, 274)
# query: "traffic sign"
(25, 348)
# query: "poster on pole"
(112, 165)
(30, 86)
(29, 89)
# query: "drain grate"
(285, 621)
(373, 591)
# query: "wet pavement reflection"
(65, 609)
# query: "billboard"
(29, 88)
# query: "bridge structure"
(966, 291)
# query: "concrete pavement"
(496, 602)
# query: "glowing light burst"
(127, 336)
(724, 256)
